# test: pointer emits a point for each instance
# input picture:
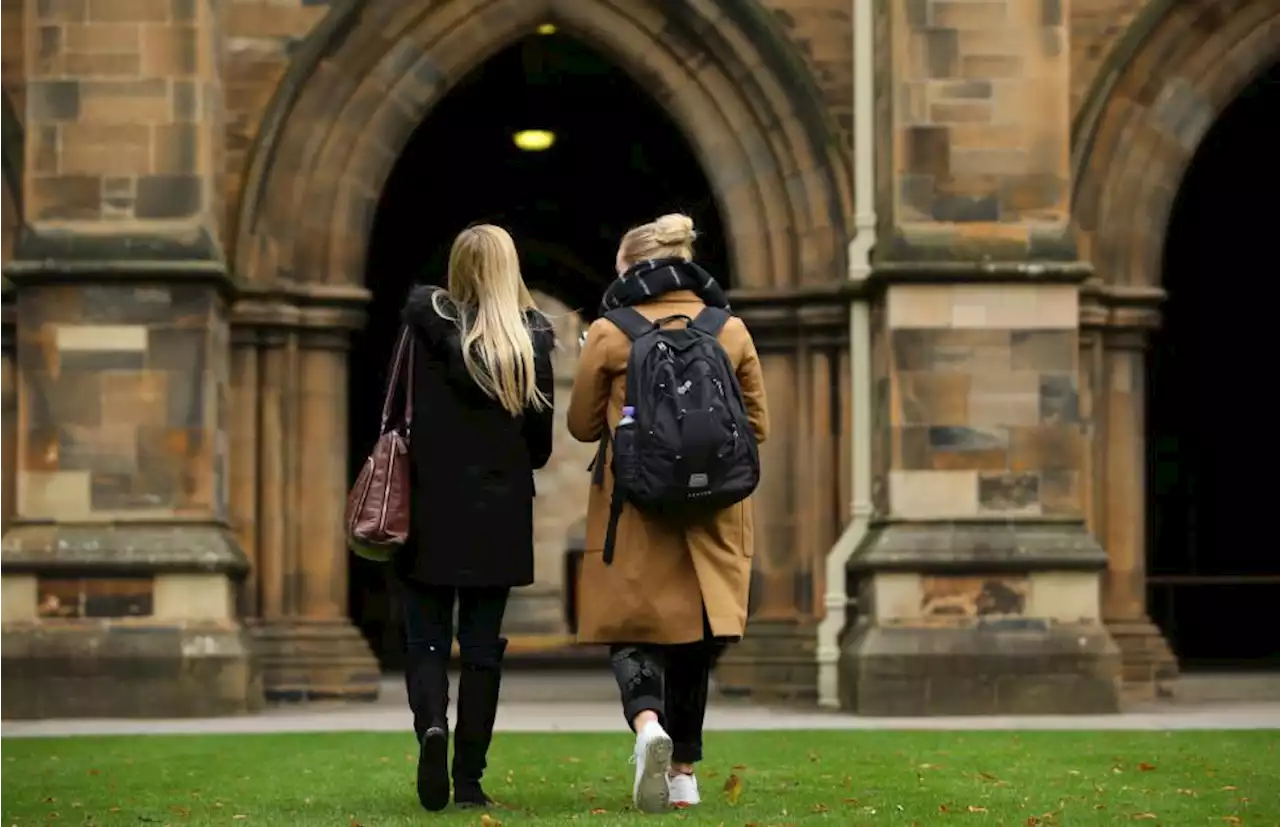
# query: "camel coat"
(661, 577)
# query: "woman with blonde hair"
(666, 594)
(482, 394)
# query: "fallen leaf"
(599, 811)
(986, 776)
(1230, 787)
(489, 821)
(733, 788)
(821, 808)
(1145, 816)
(1231, 819)
(355, 823)
(943, 808)
(739, 767)
(973, 808)
(1145, 767)
(851, 801)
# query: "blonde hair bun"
(674, 230)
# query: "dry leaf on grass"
(1145, 767)
(821, 808)
(599, 811)
(973, 808)
(1145, 816)
(489, 821)
(733, 788)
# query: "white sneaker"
(653, 763)
(683, 790)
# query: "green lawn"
(761, 779)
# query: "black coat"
(473, 463)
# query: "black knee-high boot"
(478, 687)
(427, 680)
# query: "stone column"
(291, 371)
(9, 411)
(801, 335)
(121, 548)
(1121, 318)
(978, 583)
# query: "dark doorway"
(618, 160)
(1213, 567)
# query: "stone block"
(125, 101)
(19, 599)
(168, 50)
(987, 668)
(305, 660)
(776, 660)
(65, 198)
(927, 398)
(1046, 448)
(1009, 493)
(133, 11)
(93, 597)
(970, 597)
(933, 494)
(187, 596)
(97, 669)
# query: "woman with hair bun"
(666, 596)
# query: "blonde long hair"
(489, 299)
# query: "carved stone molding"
(322, 315)
(1125, 315)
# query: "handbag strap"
(404, 347)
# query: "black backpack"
(690, 451)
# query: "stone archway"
(1135, 137)
(362, 82)
(375, 70)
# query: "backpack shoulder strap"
(711, 320)
(630, 321)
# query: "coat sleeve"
(538, 424)
(751, 379)
(591, 385)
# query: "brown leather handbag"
(378, 505)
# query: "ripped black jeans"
(670, 680)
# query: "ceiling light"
(534, 140)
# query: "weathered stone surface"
(969, 545)
(130, 669)
(1000, 667)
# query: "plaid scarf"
(648, 280)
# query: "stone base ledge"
(315, 660)
(776, 660)
(127, 669)
(1150, 669)
(165, 545)
(978, 545)
(1016, 666)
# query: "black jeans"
(428, 620)
(671, 681)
